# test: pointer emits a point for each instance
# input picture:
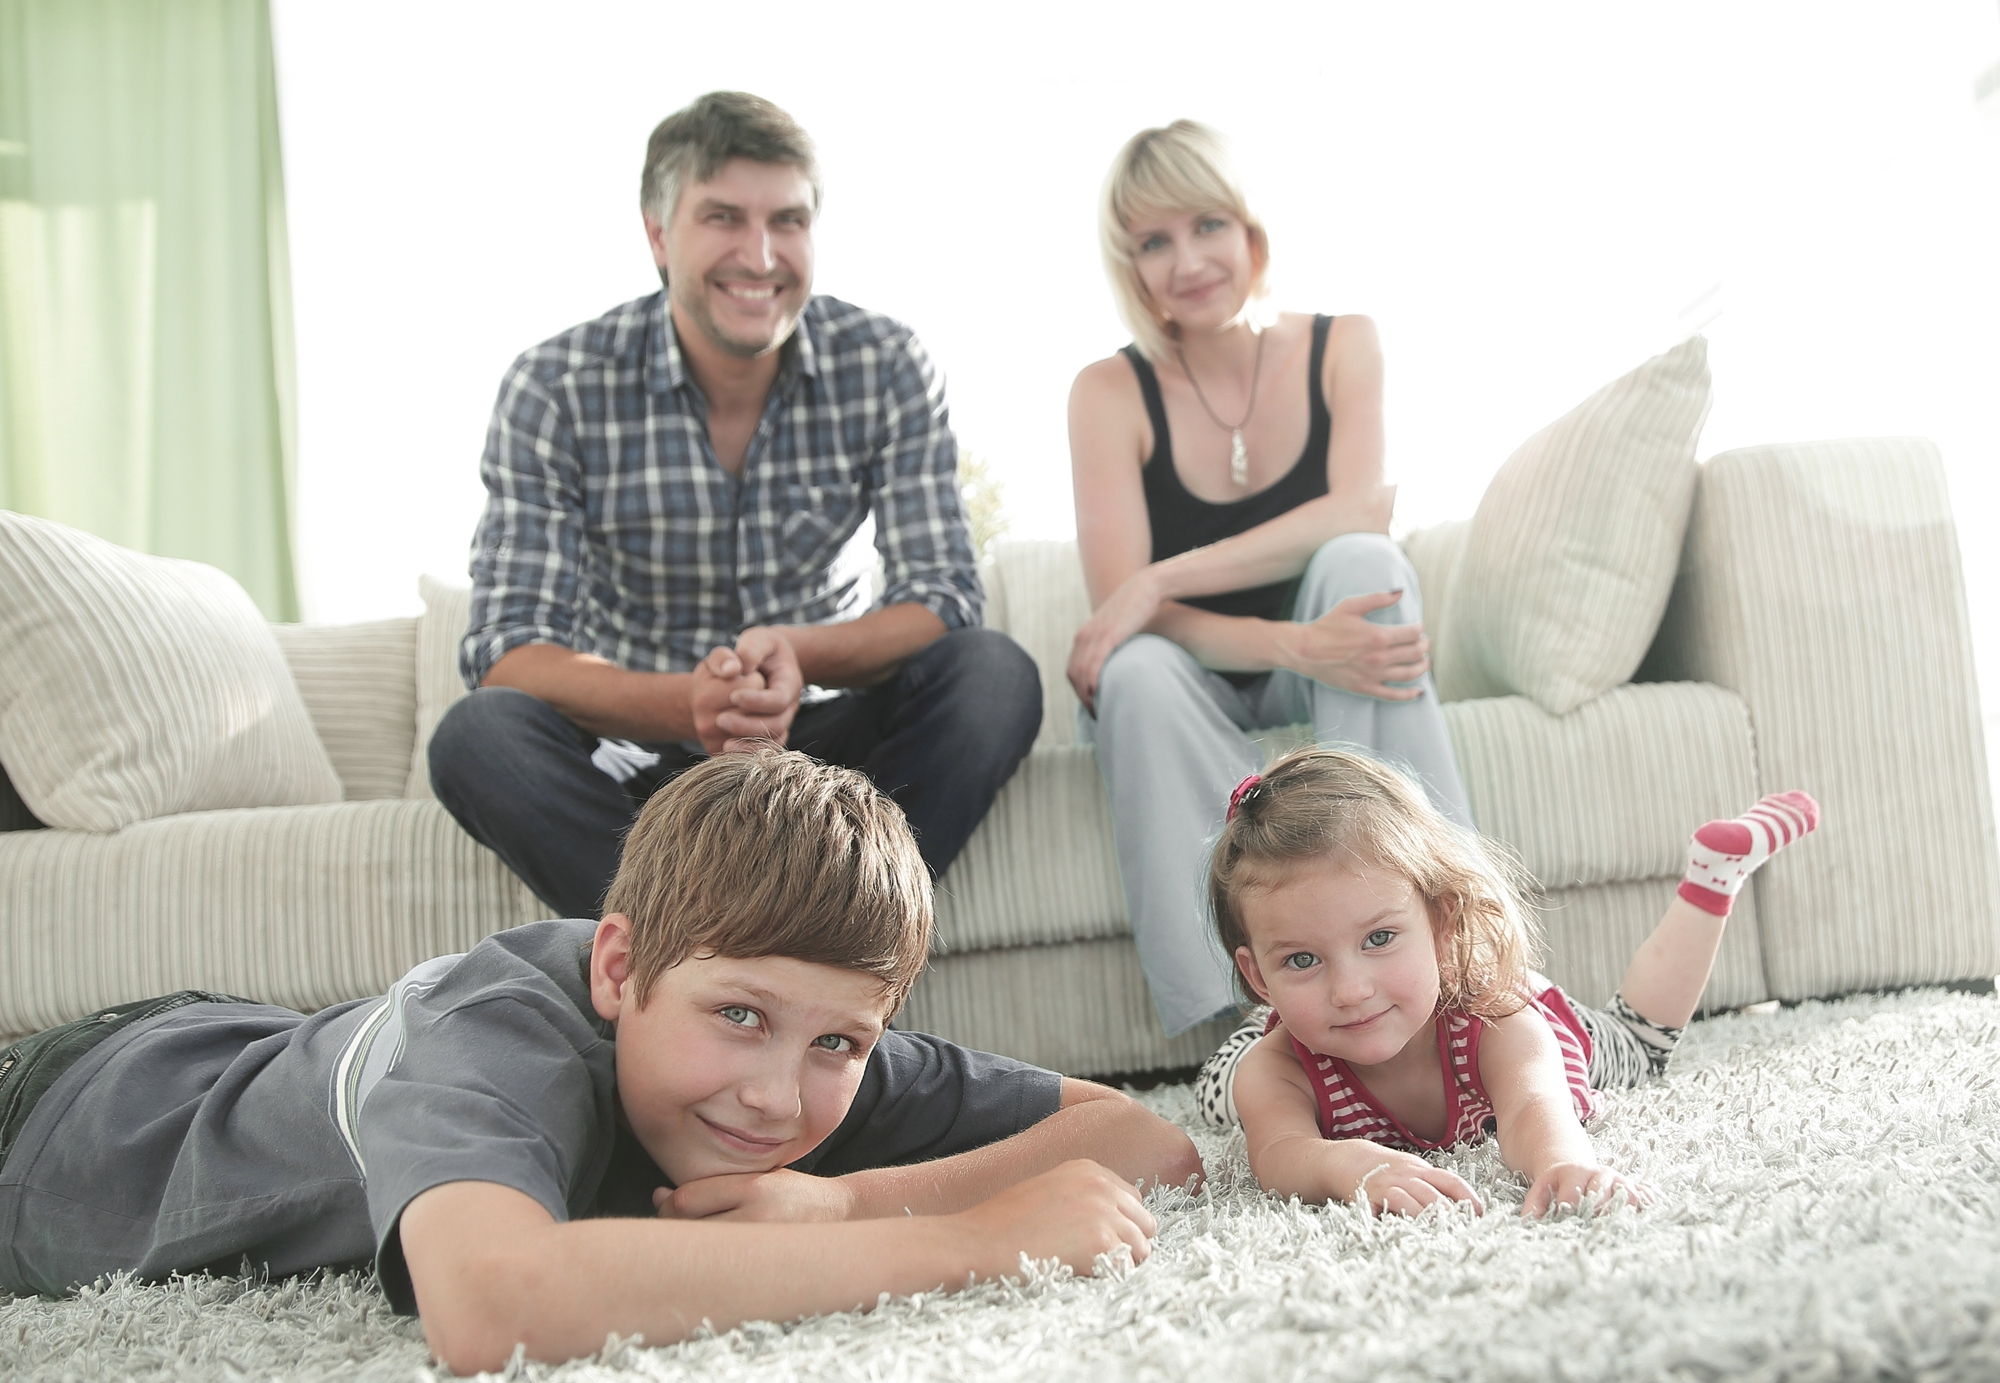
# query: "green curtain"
(146, 383)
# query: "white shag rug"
(1829, 1182)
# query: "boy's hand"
(776, 1196)
(1565, 1185)
(1397, 1182)
(1072, 1212)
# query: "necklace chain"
(1239, 455)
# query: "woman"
(1233, 520)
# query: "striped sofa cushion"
(299, 906)
(359, 681)
(1572, 551)
(135, 687)
(447, 610)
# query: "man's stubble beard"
(694, 307)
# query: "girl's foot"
(1215, 1086)
(1725, 853)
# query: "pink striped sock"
(1725, 853)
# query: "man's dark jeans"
(940, 737)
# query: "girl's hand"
(1129, 609)
(1344, 649)
(1565, 1185)
(1399, 1183)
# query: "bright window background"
(1529, 199)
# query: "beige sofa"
(1816, 637)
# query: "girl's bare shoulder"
(1274, 1058)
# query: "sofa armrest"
(1821, 582)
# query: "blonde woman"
(1232, 520)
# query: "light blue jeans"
(1173, 739)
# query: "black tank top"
(1181, 522)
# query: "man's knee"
(996, 680)
(1145, 670)
(1357, 564)
(472, 728)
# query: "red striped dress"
(1348, 1109)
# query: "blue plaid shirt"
(610, 528)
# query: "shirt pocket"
(818, 521)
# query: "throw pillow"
(1572, 552)
(447, 612)
(137, 686)
(14, 813)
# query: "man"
(664, 570)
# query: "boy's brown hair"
(1326, 804)
(772, 853)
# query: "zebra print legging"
(1625, 1049)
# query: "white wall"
(1528, 198)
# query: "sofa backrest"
(1035, 594)
(359, 684)
(377, 690)
(447, 610)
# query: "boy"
(713, 1053)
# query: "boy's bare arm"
(1092, 1122)
(491, 1269)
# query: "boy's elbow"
(1130, 1139)
(477, 1329)
(1161, 1152)
(469, 1332)
(478, 1294)
(1182, 1164)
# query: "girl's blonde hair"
(1324, 804)
(1181, 168)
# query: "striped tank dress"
(1348, 1109)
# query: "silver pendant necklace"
(1239, 455)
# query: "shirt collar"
(805, 359)
(666, 368)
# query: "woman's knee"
(1358, 564)
(1145, 668)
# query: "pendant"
(1239, 459)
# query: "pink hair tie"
(1243, 790)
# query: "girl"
(1394, 954)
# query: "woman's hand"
(1344, 649)
(1565, 1186)
(1128, 610)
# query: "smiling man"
(672, 560)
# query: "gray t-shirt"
(220, 1133)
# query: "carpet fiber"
(1829, 1181)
